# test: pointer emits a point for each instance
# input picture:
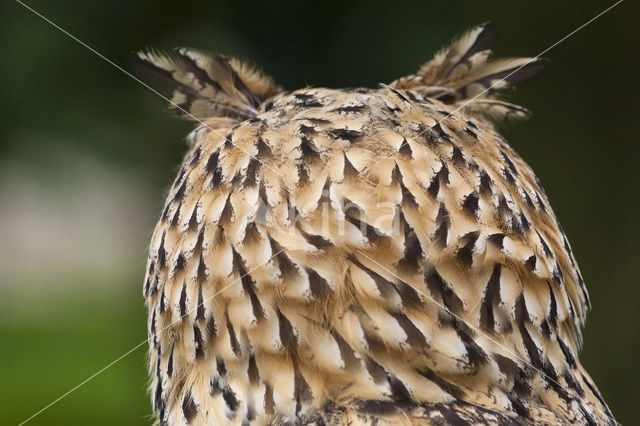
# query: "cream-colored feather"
(361, 256)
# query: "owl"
(360, 256)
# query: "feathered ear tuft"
(203, 86)
(463, 74)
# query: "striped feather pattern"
(464, 71)
(361, 256)
(203, 85)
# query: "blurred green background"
(86, 155)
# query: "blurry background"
(87, 154)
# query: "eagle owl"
(360, 256)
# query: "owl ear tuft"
(203, 86)
(463, 73)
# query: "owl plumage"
(361, 256)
